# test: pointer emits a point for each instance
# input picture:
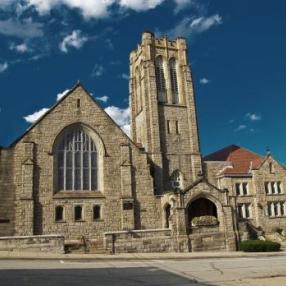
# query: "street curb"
(135, 257)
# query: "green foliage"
(206, 220)
(259, 246)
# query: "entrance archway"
(201, 207)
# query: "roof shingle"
(241, 159)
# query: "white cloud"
(240, 127)
(25, 29)
(140, 5)
(92, 8)
(121, 116)
(32, 118)
(3, 67)
(202, 24)
(62, 94)
(5, 3)
(253, 116)
(21, 48)
(75, 40)
(126, 129)
(88, 8)
(103, 98)
(97, 71)
(124, 76)
(204, 80)
(189, 26)
(182, 4)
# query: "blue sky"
(236, 48)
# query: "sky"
(237, 52)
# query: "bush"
(206, 220)
(259, 246)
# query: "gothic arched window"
(174, 81)
(160, 79)
(138, 90)
(76, 161)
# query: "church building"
(76, 178)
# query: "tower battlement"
(149, 39)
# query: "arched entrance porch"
(204, 210)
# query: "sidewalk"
(4, 255)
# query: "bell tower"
(163, 111)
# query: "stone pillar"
(230, 234)
(25, 204)
(127, 217)
(179, 230)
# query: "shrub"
(259, 246)
(206, 220)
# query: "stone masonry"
(139, 194)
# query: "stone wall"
(123, 176)
(41, 243)
(159, 240)
(6, 192)
(260, 176)
(208, 242)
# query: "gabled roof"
(50, 110)
(202, 180)
(78, 85)
(241, 159)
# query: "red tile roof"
(241, 159)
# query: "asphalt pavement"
(270, 271)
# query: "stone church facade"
(75, 174)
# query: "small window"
(78, 213)
(127, 206)
(245, 188)
(167, 215)
(276, 209)
(237, 188)
(177, 127)
(59, 215)
(242, 189)
(168, 127)
(78, 103)
(267, 189)
(271, 168)
(244, 211)
(273, 189)
(96, 213)
(174, 81)
(160, 79)
(279, 187)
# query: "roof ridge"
(230, 147)
(78, 84)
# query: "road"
(270, 271)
